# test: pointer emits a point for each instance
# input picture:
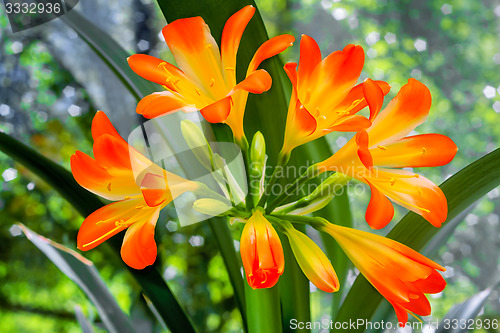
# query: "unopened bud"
(197, 142)
(211, 207)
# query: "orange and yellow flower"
(206, 78)
(261, 252)
(324, 96)
(120, 173)
(373, 155)
(402, 275)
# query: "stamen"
(103, 236)
(424, 151)
(392, 181)
(208, 46)
(120, 223)
(127, 197)
(198, 92)
(99, 222)
(382, 147)
(212, 81)
(229, 68)
(419, 192)
(139, 207)
(109, 187)
(316, 112)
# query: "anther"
(382, 147)
(212, 81)
(392, 181)
(229, 68)
(109, 187)
(424, 151)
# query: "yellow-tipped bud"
(313, 262)
(211, 207)
(197, 142)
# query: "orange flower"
(261, 252)
(324, 96)
(311, 259)
(114, 174)
(206, 80)
(402, 275)
(384, 146)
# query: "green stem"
(249, 197)
(263, 310)
(294, 291)
(291, 188)
(282, 161)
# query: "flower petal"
(310, 57)
(139, 247)
(364, 155)
(291, 71)
(93, 177)
(405, 112)
(426, 150)
(354, 123)
(231, 37)
(412, 191)
(162, 103)
(355, 100)
(338, 72)
(110, 220)
(152, 68)
(101, 125)
(256, 83)
(217, 112)
(380, 210)
(196, 53)
(374, 96)
(269, 49)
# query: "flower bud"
(313, 262)
(211, 207)
(197, 142)
(261, 252)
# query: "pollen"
(382, 147)
(229, 68)
(212, 82)
(109, 187)
(392, 181)
(120, 223)
(198, 92)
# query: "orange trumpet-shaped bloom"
(373, 154)
(313, 262)
(120, 173)
(402, 275)
(324, 96)
(261, 252)
(206, 78)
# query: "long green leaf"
(85, 203)
(83, 272)
(458, 319)
(110, 52)
(461, 190)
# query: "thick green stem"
(249, 197)
(290, 189)
(282, 161)
(294, 291)
(263, 310)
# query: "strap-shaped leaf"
(110, 52)
(461, 316)
(83, 272)
(462, 190)
(62, 181)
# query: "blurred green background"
(52, 83)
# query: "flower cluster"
(325, 98)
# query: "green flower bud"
(197, 142)
(211, 207)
